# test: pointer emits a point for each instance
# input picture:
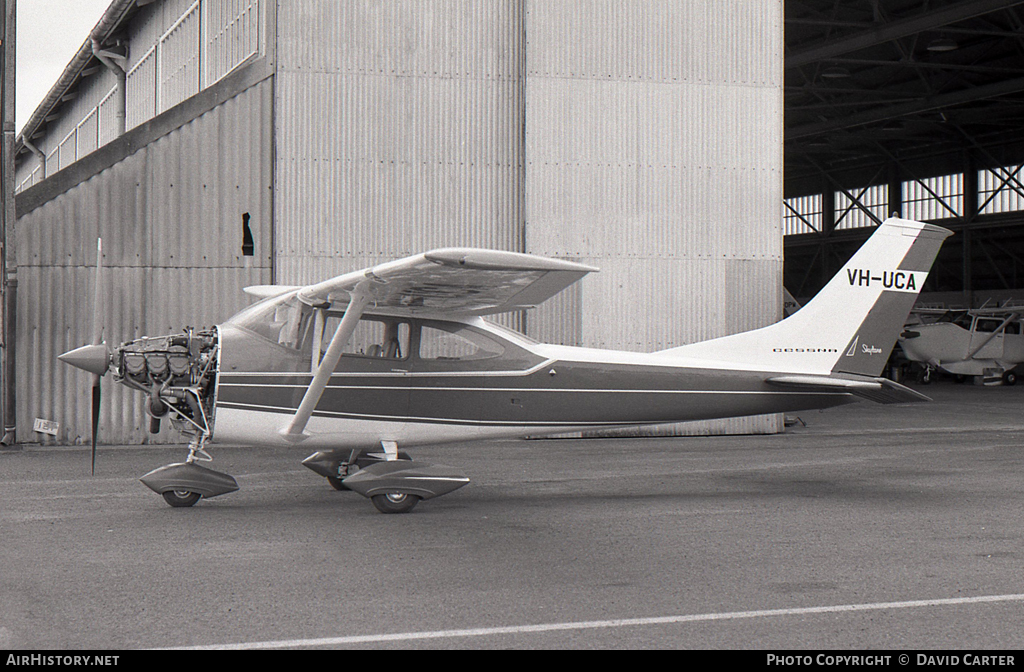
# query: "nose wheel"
(181, 498)
(185, 483)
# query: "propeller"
(93, 358)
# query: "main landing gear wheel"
(394, 502)
(1010, 378)
(181, 498)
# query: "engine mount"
(177, 372)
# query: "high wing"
(269, 291)
(455, 281)
(1000, 312)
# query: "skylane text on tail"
(399, 355)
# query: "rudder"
(868, 350)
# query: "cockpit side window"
(373, 337)
(987, 324)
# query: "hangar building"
(215, 144)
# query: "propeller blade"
(97, 359)
(93, 358)
(97, 342)
(95, 418)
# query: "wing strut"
(1000, 329)
(360, 297)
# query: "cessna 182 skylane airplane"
(399, 355)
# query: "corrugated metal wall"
(170, 216)
(643, 137)
(399, 129)
(653, 144)
(74, 133)
(183, 46)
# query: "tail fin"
(853, 322)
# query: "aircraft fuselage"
(509, 388)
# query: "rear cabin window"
(461, 345)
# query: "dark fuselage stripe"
(395, 418)
(404, 388)
(823, 399)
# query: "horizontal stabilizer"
(879, 390)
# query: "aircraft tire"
(395, 502)
(1010, 378)
(181, 498)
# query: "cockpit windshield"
(290, 323)
(961, 318)
(281, 319)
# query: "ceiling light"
(835, 73)
(942, 44)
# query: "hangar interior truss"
(914, 107)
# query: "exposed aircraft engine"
(177, 372)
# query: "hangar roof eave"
(112, 20)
